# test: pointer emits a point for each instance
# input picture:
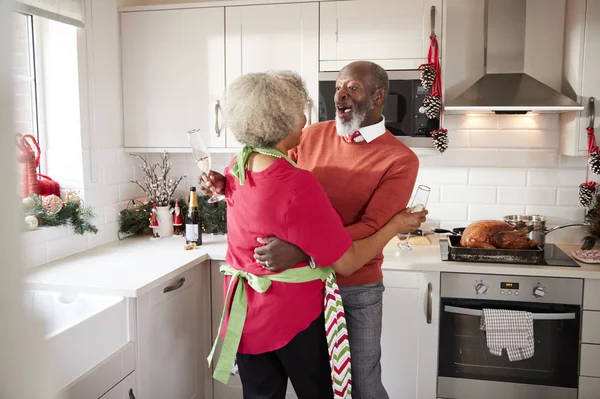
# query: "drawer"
(589, 388)
(590, 360)
(590, 327)
(591, 294)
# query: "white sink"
(81, 330)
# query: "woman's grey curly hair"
(263, 108)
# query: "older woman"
(275, 322)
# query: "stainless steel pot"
(538, 222)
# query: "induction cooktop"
(553, 256)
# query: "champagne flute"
(418, 204)
(202, 159)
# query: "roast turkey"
(497, 234)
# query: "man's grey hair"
(380, 77)
(263, 108)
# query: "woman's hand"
(213, 183)
(407, 221)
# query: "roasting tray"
(520, 256)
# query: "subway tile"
(92, 172)
(497, 177)
(124, 158)
(459, 138)
(434, 194)
(461, 157)
(107, 157)
(42, 234)
(541, 121)
(33, 255)
(476, 121)
(572, 162)
(543, 139)
(567, 196)
(468, 194)
(111, 211)
(447, 225)
(106, 234)
(113, 175)
(442, 176)
(499, 138)
(449, 212)
(128, 191)
(100, 196)
(65, 246)
(528, 158)
(558, 214)
(99, 215)
(493, 212)
(555, 177)
(526, 196)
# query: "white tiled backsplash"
(496, 165)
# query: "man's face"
(353, 101)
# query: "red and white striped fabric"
(337, 340)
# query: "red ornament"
(177, 215)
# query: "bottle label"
(191, 232)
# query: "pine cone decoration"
(432, 105)
(440, 139)
(586, 194)
(427, 76)
(594, 162)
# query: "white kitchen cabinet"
(270, 37)
(393, 33)
(125, 389)
(173, 77)
(233, 389)
(581, 79)
(173, 331)
(409, 340)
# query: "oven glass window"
(463, 352)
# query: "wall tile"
(442, 176)
(499, 138)
(526, 196)
(450, 212)
(567, 196)
(555, 178)
(112, 175)
(64, 246)
(498, 177)
(542, 139)
(468, 194)
(493, 212)
(572, 162)
(527, 158)
(557, 214)
(461, 157)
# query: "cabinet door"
(126, 389)
(173, 76)
(174, 337)
(233, 390)
(410, 334)
(377, 30)
(270, 37)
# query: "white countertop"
(136, 265)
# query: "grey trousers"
(364, 311)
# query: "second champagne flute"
(202, 159)
(418, 203)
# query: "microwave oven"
(402, 107)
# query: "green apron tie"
(239, 308)
(239, 168)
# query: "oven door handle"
(536, 316)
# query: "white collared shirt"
(371, 132)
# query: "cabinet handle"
(592, 111)
(131, 395)
(309, 108)
(429, 302)
(175, 286)
(432, 23)
(217, 130)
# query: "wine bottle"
(192, 221)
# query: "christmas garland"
(134, 220)
(52, 211)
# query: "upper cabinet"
(393, 33)
(269, 37)
(173, 76)
(581, 79)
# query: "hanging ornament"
(433, 105)
(428, 75)
(28, 203)
(440, 139)
(31, 222)
(586, 193)
(594, 162)
(52, 204)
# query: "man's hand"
(407, 221)
(277, 255)
(214, 183)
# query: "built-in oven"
(467, 369)
(403, 106)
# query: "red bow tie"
(352, 137)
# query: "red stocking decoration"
(33, 182)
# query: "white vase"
(165, 221)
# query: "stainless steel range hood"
(509, 53)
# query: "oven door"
(467, 369)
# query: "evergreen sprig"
(71, 213)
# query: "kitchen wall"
(105, 168)
(495, 166)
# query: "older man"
(368, 175)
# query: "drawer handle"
(175, 286)
(131, 395)
(429, 302)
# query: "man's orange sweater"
(367, 183)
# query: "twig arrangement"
(157, 185)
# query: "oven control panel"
(511, 288)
